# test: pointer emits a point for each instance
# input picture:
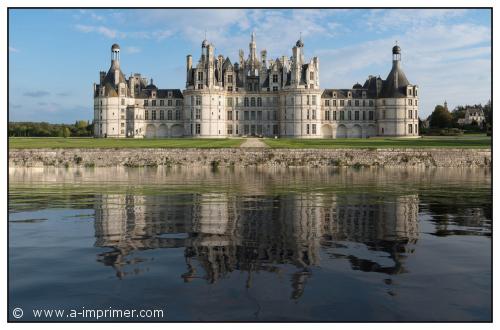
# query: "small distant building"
(472, 115)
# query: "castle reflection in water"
(222, 232)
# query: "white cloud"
(105, 31)
(132, 50)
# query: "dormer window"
(349, 94)
(409, 91)
(153, 94)
(364, 94)
(169, 94)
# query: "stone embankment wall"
(250, 157)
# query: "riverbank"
(242, 157)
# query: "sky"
(55, 55)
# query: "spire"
(253, 47)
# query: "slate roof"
(395, 84)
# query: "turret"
(263, 58)
(189, 67)
(115, 62)
(252, 47)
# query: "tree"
(488, 114)
(440, 118)
(66, 132)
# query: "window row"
(154, 103)
(342, 103)
(153, 113)
(358, 115)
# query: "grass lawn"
(472, 141)
(36, 143)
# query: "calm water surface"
(254, 245)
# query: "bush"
(445, 132)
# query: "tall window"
(154, 114)
(162, 103)
(410, 128)
(162, 114)
(259, 102)
(356, 103)
(314, 129)
(169, 103)
(275, 78)
(314, 114)
(153, 103)
(314, 100)
(308, 97)
(246, 102)
(356, 115)
(198, 100)
(311, 75)
(327, 115)
(275, 88)
(229, 115)
(327, 103)
(334, 115)
(410, 114)
(198, 128)
(342, 103)
(307, 129)
(146, 114)
(200, 75)
(198, 113)
(146, 102)
(177, 114)
(169, 114)
(370, 115)
(341, 115)
(230, 78)
(229, 101)
(252, 102)
(349, 115)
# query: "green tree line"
(43, 129)
(442, 119)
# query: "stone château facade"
(254, 97)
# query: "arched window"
(246, 102)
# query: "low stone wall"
(250, 157)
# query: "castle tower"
(398, 102)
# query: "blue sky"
(55, 55)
